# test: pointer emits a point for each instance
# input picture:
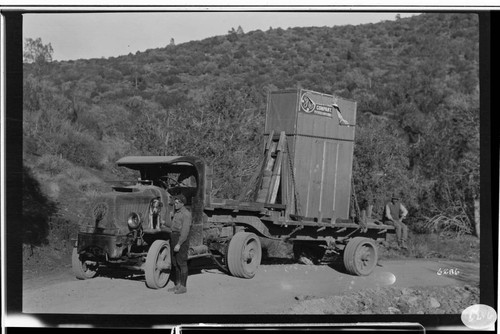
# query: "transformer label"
(308, 106)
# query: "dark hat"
(181, 198)
(394, 196)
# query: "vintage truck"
(301, 194)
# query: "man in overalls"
(179, 244)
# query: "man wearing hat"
(395, 212)
(179, 244)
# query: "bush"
(62, 230)
(91, 125)
(116, 148)
(80, 148)
(30, 145)
(457, 225)
(37, 208)
(418, 226)
(85, 181)
(53, 164)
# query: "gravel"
(391, 300)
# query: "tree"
(381, 165)
(37, 52)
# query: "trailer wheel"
(158, 262)
(244, 255)
(83, 268)
(360, 256)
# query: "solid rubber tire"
(78, 267)
(155, 280)
(235, 255)
(350, 252)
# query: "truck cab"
(122, 226)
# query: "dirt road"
(274, 289)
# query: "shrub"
(85, 181)
(53, 164)
(116, 148)
(80, 148)
(91, 125)
(418, 226)
(453, 226)
(78, 173)
(62, 229)
(30, 145)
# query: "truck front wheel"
(83, 268)
(360, 256)
(158, 264)
(244, 255)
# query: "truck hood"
(108, 213)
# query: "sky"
(97, 35)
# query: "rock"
(413, 301)
(393, 310)
(434, 303)
(404, 308)
(405, 291)
(305, 260)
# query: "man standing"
(179, 244)
(395, 212)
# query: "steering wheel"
(165, 180)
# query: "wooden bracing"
(274, 186)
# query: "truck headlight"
(134, 220)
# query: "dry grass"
(52, 164)
(425, 246)
(85, 181)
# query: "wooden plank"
(291, 192)
(267, 174)
(267, 156)
(329, 187)
(310, 172)
(284, 182)
(275, 179)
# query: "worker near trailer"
(179, 244)
(395, 212)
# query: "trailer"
(301, 193)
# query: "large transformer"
(321, 147)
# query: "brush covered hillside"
(416, 82)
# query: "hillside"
(416, 81)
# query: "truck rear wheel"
(244, 255)
(360, 256)
(158, 264)
(83, 268)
